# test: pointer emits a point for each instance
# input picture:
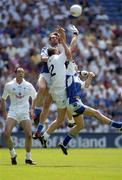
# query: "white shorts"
(19, 116)
(60, 98)
(46, 77)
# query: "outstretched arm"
(61, 32)
(66, 48)
(73, 42)
(74, 38)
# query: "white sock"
(28, 155)
(12, 153)
(46, 135)
(71, 121)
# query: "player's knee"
(80, 126)
(42, 85)
(7, 134)
(58, 123)
(96, 113)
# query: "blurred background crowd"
(24, 29)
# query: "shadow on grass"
(61, 166)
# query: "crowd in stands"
(24, 29)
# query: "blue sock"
(40, 127)
(67, 139)
(116, 124)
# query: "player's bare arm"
(43, 59)
(91, 75)
(66, 48)
(74, 38)
(3, 106)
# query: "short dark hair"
(51, 51)
(18, 68)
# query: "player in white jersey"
(44, 80)
(57, 69)
(43, 97)
(19, 91)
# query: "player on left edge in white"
(19, 91)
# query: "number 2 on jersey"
(51, 70)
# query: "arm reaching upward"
(74, 38)
(73, 42)
(66, 48)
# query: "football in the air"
(75, 10)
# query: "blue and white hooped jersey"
(44, 67)
(74, 94)
(73, 86)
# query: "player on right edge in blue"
(78, 109)
(75, 106)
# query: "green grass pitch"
(80, 164)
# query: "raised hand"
(74, 30)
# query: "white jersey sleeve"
(5, 92)
(62, 57)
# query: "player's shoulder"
(53, 58)
(10, 83)
(27, 83)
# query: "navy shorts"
(75, 106)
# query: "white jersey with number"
(44, 68)
(19, 95)
(57, 69)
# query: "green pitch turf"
(80, 164)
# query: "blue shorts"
(75, 106)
